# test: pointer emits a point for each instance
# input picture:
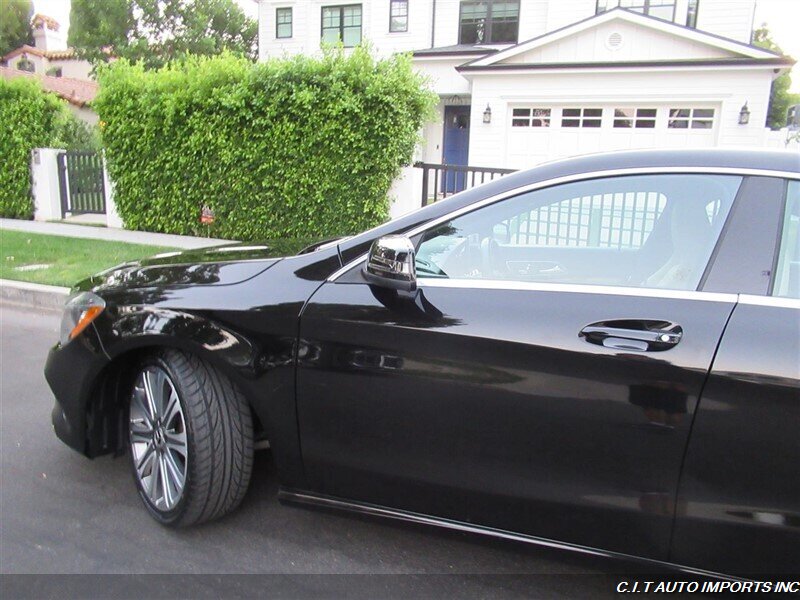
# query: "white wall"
(307, 27)
(637, 43)
(729, 18)
(44, 184)
(77, 69)
(40, 64)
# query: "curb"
(33, 295)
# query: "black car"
(600, 354)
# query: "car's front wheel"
(191, 439)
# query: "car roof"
(784, 161)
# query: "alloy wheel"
(158, 439)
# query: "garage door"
(539, 132)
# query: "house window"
(530, 117)
(342, 23)
(661, 9)
(398, 15)
(691, 14)
(691, 118)
(488, 22)
(283, 23)
(640, 118)
(581, 117)
(26, 64)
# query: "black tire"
(218, 446)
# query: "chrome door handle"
(643, 335)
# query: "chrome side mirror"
(390, 263)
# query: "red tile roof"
(66, 54)
(75, 91)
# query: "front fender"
(136, 327)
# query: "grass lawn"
(68, 259)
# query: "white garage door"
(538, 132)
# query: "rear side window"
(641, 230)
(787, 274)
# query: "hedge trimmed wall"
(29, 118)
(289, 148)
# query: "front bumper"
(72, 372)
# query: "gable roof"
(740, 50)
(67, 54)
(75, 91)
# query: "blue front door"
(455, 147)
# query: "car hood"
(222, 265)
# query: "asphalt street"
(64, 514)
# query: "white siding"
(637, 43)
(561, 13)
(307, 27)
(729, 18)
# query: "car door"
(739, 500)
(544, 376)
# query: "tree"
(780, 99)
(157, 32)
(15, 24)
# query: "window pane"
(571, 112)
(592, 112)
(283, 18)
(330, 17)
(591, 122)
(352, 36)
(645, 123)
(504, 32)
(398, 15)
(691, 14)
(787, 275)
(570, 122)
(645, 230)
(521, 112)
(519, 122)
(679, 113)
(646, 112)
(330, 36)
(703, 113)
(352, 16)
(473, 22)
(623, 117)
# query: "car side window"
(640, 230)
(787, 274)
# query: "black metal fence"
(81, 182)
(440, 181)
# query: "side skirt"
(305, 498)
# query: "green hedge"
(28, 119)
(289, 148)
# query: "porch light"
(487, 114)
(744, 115)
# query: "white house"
(49, 54)
(526, 81)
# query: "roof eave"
(744, 62)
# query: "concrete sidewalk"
(109, 234)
